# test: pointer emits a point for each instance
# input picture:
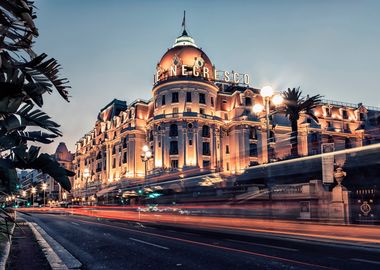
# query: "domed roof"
(185, 55)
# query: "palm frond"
(43, 72)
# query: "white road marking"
(363, 260)
(75, 223)
(264, 245)
(151, 244)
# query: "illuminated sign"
(202, 71)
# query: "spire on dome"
(184, 39)
(184, 32)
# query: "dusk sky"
(109, 49)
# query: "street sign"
(327, 163)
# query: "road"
(114, 244)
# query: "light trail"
(349, 233)
(277, 258)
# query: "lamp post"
(86, 175)
(44, 186)
(268, 96)
(32, 192)
(146, 155)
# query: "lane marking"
(264, 245)
(363, 260)
(147, 243)
(75, 223)
(213, 246)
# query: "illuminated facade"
(200, 120)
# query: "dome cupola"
(184, 59)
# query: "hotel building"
(200, 120)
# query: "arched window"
(173, 132)
(205, 131)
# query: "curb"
(58, 257)
(7, 249)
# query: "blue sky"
(109, 49)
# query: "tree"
(24, 78)
(295, 105)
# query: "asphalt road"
(110, 244)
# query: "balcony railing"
(187, 114)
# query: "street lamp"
(32, 192)
(86, 175)
(268, 96)
(146, 155)
(44, 186)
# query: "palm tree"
(24, 78)
(295, 105)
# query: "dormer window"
(344, 114)
(248, 101)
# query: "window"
(206, 131)
(346, 127)
(252, 133)
(344, 114)
(206, 163)
(330, 139)
(206, 148)
(227, 149)
(125, 157)
(188, 96)
(328, 111)
(188, 109)
(175, 110)
(174, 163)
(202, 98)
(228, 166)
(175, 97)
(272, 138)
(225, 116)
(202, 111)
(253, 150)
(113, 150)
(113, 163)
(163, 101)
(173, 131)
(212, 101)
(362, 117)
(190, 142)
(248, 101)
(173, 148)
(347, 143)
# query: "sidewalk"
(26, 253)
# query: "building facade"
(199, 121)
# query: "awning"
(104, 191)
